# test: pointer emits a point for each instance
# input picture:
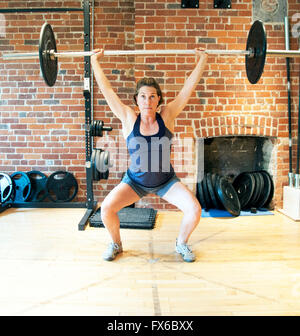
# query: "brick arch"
(236, 125)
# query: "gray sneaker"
(112, 251)
(185, 252)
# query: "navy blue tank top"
(150, 155)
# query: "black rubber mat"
(130, 218)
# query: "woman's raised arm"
(173, 109)
(118, 108)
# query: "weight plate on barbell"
(6, 187)
(257, 44)
(228, 196)
(38, 182)
(47, 64)
(61, 186)
(22, 186)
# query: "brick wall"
(45, 126)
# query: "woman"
(143, 133)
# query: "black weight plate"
(260, 185)
(271, 191)
(96, 174)
(106, 158)
(61, 186)
(100, 128)
(257, 190)
(211, 190)
(256, 42)
(228, 196)
(48, 65)
(97, 159)
(214, 179)
(215, 184)
(92, 126)
(22, 186)
(244, 185)
(38, 182)
(6, 187)
(201, 198)
(206, 195)
(265, 190)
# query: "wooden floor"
(245, 266)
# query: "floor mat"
(224, 213)
(130, 218)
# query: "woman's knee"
(107, 208)
(194, 209)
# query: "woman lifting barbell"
(149, 173)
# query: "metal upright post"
(88, 118)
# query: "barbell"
(255, 53)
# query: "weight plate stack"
(207, 192)
(254, 189)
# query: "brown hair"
(148, 81)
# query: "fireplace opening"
(230, 155)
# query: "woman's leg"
(121, 196)
(180, 196)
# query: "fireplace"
(231, 155)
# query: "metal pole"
(124, 52)
(282, 53)
(35, 10)
(153, 52)
(287, 47)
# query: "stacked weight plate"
(35, 186)
(255, 189)
(247, 191)
(216, 192)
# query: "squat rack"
(90, 204)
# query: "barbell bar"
(280, 53)
(255, 53)
(52, 53)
